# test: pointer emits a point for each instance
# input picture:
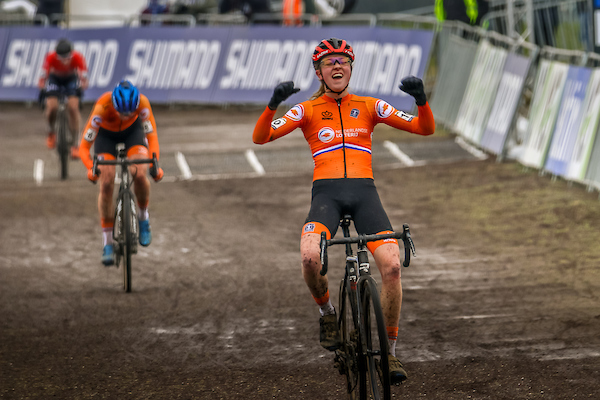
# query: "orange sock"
(325, 306)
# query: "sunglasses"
(342, 61)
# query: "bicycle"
(125, 230)
(363, 354)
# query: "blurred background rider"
(121, 116)
(64, 71)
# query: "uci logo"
(310, 227)
(326, 135)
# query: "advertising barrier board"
(505, 105)
(568, 122)
(216, 64)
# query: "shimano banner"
(216, 64)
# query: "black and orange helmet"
(331, 46)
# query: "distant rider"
(64, 71)
(121, 116)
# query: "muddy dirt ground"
(502, 301)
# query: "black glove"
(282, 92)
(414, 86)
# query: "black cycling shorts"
(334, 198)
(55, 86)
(106, 141)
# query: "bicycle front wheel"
(127, 235)
(62, 144)
(375, 342)
(347, 357)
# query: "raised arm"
(266, 130)
(423, 123)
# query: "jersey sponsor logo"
(310, 227)
(384, 109)
(278, 123)
(354, 113)
(296, 113)
(145, 113)
(96, 121)
(326, 135)
(147, 126)
(90, 135)
(404, 116)
(327, 115)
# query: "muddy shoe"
(397, 372)
(329, 334)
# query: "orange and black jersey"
(105, 116)
(323, 120)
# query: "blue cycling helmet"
(125, 97)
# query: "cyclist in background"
(338, 127)
(121, 116)
(64, 71)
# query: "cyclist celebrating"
(121, 116)
(338, 127)
(64, 72)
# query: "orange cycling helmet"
(331, 46)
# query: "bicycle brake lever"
(412, 246)
(95, 169)
(154, 167)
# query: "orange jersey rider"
(338, 127)
(121, 116)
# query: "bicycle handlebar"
(409, 246)
(126, 162)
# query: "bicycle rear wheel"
(347, 357)
(126, 220)
(375, 341)
(62, 144)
